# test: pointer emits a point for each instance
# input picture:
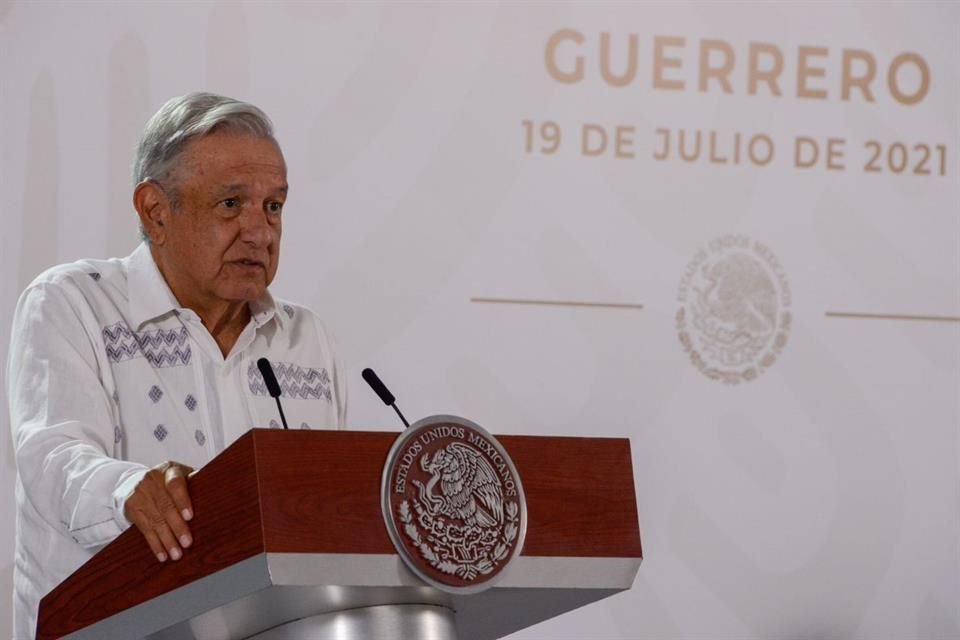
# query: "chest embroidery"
(161, 347)
(295, 381)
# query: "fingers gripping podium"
(290, 543)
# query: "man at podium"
(126, 374)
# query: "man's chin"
(246, 292)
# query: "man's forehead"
(255, 167)
(225, 168)
(238, 187)
(235, 150)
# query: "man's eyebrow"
(231, 188)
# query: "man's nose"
(256, 227)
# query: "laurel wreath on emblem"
(463, 551)
(733, 377)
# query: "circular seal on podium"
(453, 504)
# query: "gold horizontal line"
(890, 316)
(557, 303)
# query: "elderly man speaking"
(126, 374)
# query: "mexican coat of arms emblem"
(453, 504)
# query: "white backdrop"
(808, 486)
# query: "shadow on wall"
(6, 604)
(228, 51)
(128, 79)
(937, 621)
(39, 230)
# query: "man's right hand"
(160, 507)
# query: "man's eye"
(230, 203)
(274, 207)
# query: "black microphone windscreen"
(378, 387)
(273, 387)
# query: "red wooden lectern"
(289, 543)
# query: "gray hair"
(183, 118)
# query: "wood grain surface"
(319, 492)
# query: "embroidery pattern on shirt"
(295, 381)
(161, 347)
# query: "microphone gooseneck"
(382, 392)
(273, 387)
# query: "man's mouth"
(244, 262)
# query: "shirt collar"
(264, 309)
(151, 297)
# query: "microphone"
(381, 390)
(273, 387)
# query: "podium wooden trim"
(288, 525)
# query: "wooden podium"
(290, 543)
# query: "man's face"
(222, 244)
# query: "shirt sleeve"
(62, 419)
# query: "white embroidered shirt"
(109, 376)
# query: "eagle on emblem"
(470, 490)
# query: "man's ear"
(153, 207)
